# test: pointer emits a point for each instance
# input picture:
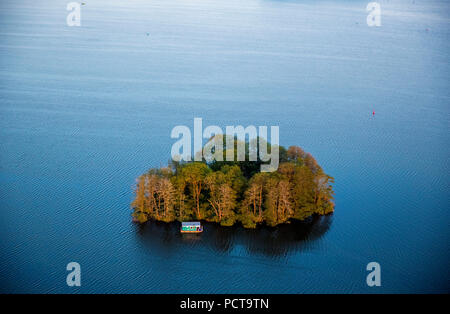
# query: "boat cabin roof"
(190, 223)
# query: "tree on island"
(228, 192)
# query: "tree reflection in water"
(271, 242)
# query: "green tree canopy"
(227, 192)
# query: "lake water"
(85, 110)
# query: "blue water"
(85, 110)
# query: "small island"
(230, 192)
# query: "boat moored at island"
(191, 227)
